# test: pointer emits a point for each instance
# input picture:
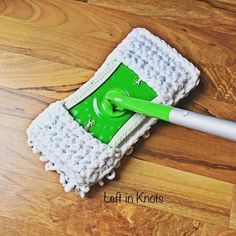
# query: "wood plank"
(213, 208)
(155, 222)
(207, 160)
(102, 39)
(47, 50)
(46, 203)
(38, 76)
(63, 31)
(232, 222)
(166, 146)
(189, 150)
(213, 13)
(15, 227)
(196, 39)
(14, 123)
(207, 28)
(188, 194)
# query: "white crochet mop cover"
(79, 158)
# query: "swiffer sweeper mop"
(84, 136)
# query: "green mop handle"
(211, 125)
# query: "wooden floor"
(49, 48)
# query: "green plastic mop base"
(98, 116)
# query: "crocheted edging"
(66, 147)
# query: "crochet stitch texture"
(79, 158)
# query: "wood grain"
(48, 209)
(183, 192)
(191, 200)
(86, 48)
(209, 36)
(232, 222)
(40, 76)
(50, 48)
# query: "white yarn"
(68, 149)
(156, 63)
(79, 158)
(165, 70)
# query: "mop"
(85, 136)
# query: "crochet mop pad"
(83, 157)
